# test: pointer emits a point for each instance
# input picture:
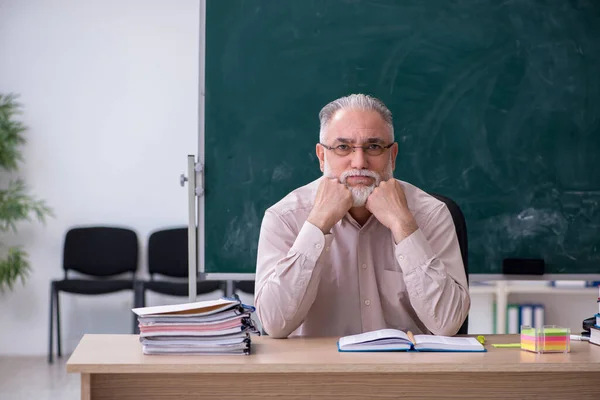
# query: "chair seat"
(92, 287)
(180, 288)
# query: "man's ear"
(394, 153)
(321, 155)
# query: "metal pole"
(192, 260)
(201, 120)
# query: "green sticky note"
(528, 332)
(507, 345)
(556, 332)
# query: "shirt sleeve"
(434, 274)
(288, 271)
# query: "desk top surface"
(123, 354)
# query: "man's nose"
(359, 160)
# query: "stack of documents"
(207, 327)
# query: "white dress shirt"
(356, 278)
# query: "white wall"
(110, 90)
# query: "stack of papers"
(206, 327)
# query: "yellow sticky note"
(507, 345)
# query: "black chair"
(101, 254)
(244, 286)
(168, 257)
(460, 225)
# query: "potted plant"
(15, 202)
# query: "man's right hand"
(332, 202)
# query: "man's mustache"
(360, 172)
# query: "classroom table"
(113, 367)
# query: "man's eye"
(374, 147)
(342, 147)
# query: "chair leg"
(50, 330)
(58, 341)
(135, 305)
(138, 301)
(143, 296)
(141, 299)
(136, 295)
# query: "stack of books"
(207, 327)
(595, 330)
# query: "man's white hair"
(356, 101)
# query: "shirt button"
(368, 302)
(327, 249)
(318, 245)
(364, 266)
(401, 257)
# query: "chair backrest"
(460, 225)
(168, 252)
(100, 251)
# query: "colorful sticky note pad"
(548, 339)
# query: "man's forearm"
(432, 281)
(282, 306)
(404, 227)
(287, 282)
(321, 221)
(440, 302)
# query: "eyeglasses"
(370, 149)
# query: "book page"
(447, 341)
(378, 335)
(200, 307)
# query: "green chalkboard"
(496, 104)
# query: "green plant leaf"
(11, 130)
(16, 205)
(13, 268)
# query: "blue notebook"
(397, 340)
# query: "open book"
(396, 340)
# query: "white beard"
(360, 193)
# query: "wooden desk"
(113, 367)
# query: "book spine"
(494, 316)
(512, 320)
(526, 315)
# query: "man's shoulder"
(300, 200)
(419, 201)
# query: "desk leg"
(86, 393)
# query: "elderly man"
(357, 250)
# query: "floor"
(33, 378)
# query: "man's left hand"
(388, 204)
